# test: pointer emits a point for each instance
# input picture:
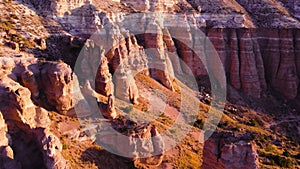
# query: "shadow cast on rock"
(105, 159)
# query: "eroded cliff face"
(7, 154)
(253, 59)
(26, 128)
(258, 43)
(223, 150)
(244, 46)
(40, 78)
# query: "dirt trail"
(286, 119)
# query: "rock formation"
(60, 76)
(26, 85)
(140, 142)
(104, 83)
(119, 63)
(280, 59)
(241, 58)
(245, 53)
(6, 152)
(258, 43)
(22, 116)
(225, 151)
(160, 64)
(148, 5)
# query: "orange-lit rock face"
(254, 58)
(257, 41)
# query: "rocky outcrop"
(142, 143)
(245, 53)
(51, 149)
(52, 84)
(19, 107)
(104, 84)
(6, 152)
(148, 5)
(102, 63)
(269, 14)
(22, 116)
(160, 65)
(57, 83)
(56, 7)
(223, 150)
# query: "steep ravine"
(256, 56)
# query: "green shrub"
(128, 109)
(262, 139)
(270, 148)
(172, 131)
(222, 125)
(278, 160)
(7, 25)
(254, 123)
(236, 128)
(283, 162)
(199, 123)
(286, 153)
(64, 147)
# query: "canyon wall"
(254, 59)
(258, 42)
(258, 51)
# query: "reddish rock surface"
(257, 42)
(143, 144)
(57, 83)
(26, 128)
(22, 116)
(224, 151)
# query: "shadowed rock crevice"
(26, 151)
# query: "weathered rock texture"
(223, 150)
(48, 82)
(140, 142)
(6, 152)
(112, 70)
(158, 6)
(280, 53)
(160, 64)
(293, 6)
(29, 123)
(57, 83)
(258, 43)
(245, 53)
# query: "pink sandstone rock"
(224, 151)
